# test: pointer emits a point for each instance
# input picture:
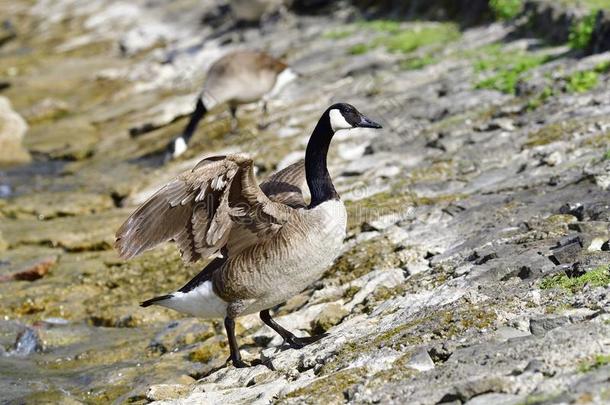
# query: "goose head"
(346, 116)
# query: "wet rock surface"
(476, 268)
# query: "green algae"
(598, 277)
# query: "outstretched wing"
(199, 209)
(286, 186)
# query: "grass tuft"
(583, 81)
(582, 31)
(506, 9)
(598, 361)
(598, 277)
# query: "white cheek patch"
(337, 121)
(179, 147)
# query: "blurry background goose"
(239, 77)
(253, 11)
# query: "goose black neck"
(318, 179)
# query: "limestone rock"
(12, 130)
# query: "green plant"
(582, 31)
(598, 277)
(404, 40)
(607, 155)
(603, 67)
(583, 81)
(417, 63)
(387, 26)
(408, 40)
(508, 76)
(506, 9)
(359, 49)
(338, 33)
(598, 361)
(540, 98)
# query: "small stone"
(421, 361)
(12, 130)
(576, 210)
(330, 316)
(505, 333)
(553, 159)
(166, 392)
(28, 341)
(539, 326)
(567, 252)
(597, 244)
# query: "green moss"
(330, 389)
(360, 49)
(408, 41)
(350, 292)
(598, 361)
(583, 81)
(582, 31)
(540, 98)
(339, 33)
(506, 9)
(417, 63)
(377, 205)
(549, 134)
(536, 399)
(602, 67)
(598, 277)
(508, 65)
(362, 258)
(393, 37)
(208, 351)
(399, 371)
(381, 25)
(607, 155)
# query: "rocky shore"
(477, 264)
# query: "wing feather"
(202, 209)
(286, 186)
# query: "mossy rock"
(52, 205)
(362, 258)
(326, 390)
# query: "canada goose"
(268, 243)
(237, 78)
(252, 11)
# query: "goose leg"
(264, 124)
(179, 144)
(234, 122)
(233, 347)
(292, 340)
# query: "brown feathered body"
(272, 245)
(241, 77)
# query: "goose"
(266, 242)
(253, 11)
(239, 77)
